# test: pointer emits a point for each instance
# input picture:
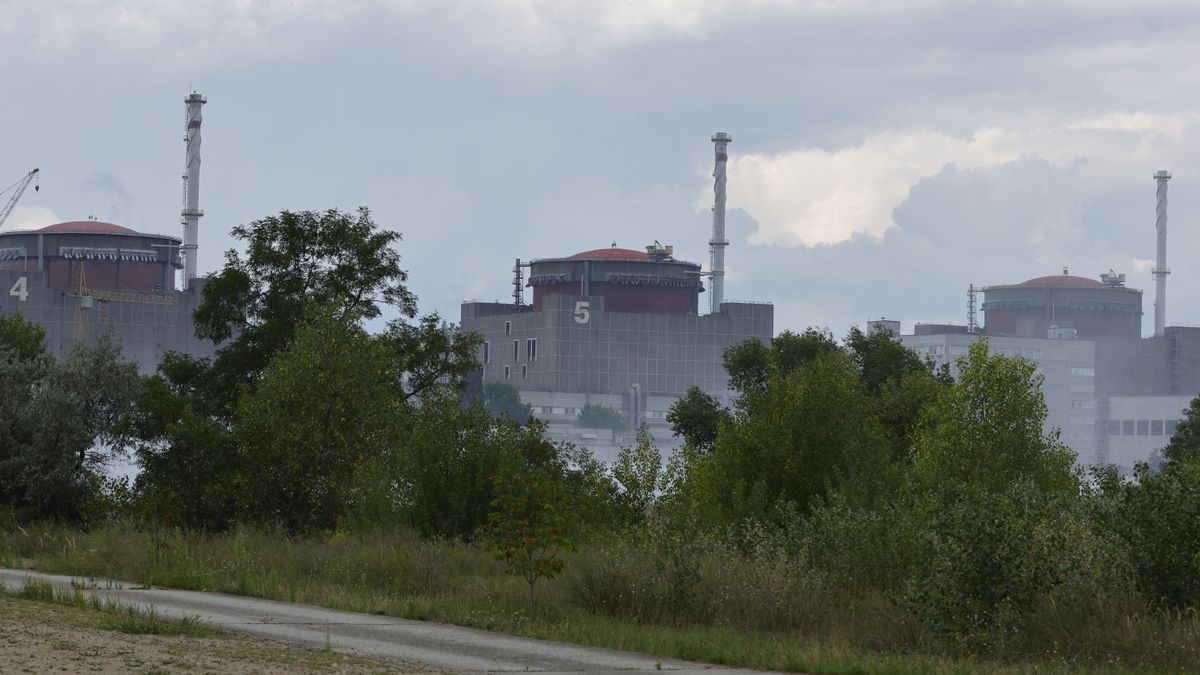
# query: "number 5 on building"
(20, 290)
(583, 311)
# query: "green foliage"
(751, 364)
(60, 417)
(325, 405)
(638, 473)
(501, 399)
(696, 418)
(1157, 515)
(528, 528)
(1185, 443)
(20, 340)
(809, 431)
(986, 432)
(597, 416)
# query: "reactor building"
(616, 327)
(81, 279)
(1115, 396)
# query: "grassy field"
(759, 617)
(46, 630)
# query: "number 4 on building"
(20, 290)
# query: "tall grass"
(115, 615)
(699, 598)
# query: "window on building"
(1087, 404)
(487, 353)
(1171, 425)
(1083, 372)
(516, 350)
(569, 411)
(1126, 427)
(547, 410)
(531, 350)
(507, 372)
(508, 328)
(1083, 389)
(1113, 427)
(1156, 427)
(1143, 427)
(524, 372)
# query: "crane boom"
(20, 185)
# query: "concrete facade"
(573, 352)
(144, 331)
(1135, 427)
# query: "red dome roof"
(612, 254)
(1062, 281)
(87, 227)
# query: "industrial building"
(80, 279)
(1116, 396)
(617, 327)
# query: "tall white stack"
(716, 245)
(191, 186)
(1160, 261)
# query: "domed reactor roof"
(632, 281)
(613, 253)
(1047, 306)
(1061, 281)
(86, 227)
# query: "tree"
(325, 405)
(501, 399)
(1184, 445)
(638, 472)
(527, 528)
(20, 339)
(58, 423)
(696, 418)
(597, 416)
(986, 431)
(807, 433)
(750, 364)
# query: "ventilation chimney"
(716, 245)
(1160, 261)
(191, 187)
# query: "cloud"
(813, 196)
(30, 218)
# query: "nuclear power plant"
(80, 279)
(617, 327)
(1115, 396)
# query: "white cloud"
(30, 218)
(813, 196)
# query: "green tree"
(696, 418)
(751, 364)
(808, 432)
(325, 404)
(986, 431)
(528, 527)
(501, 399)
(638, 472)
(59, 423)
(21, 340)
(597, 416)
(1184, 445)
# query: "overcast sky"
(885, 154)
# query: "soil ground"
(39, 637)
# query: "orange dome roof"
(1062, 281)
(612, 254)
(87, 227)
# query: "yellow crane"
(86, 299)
